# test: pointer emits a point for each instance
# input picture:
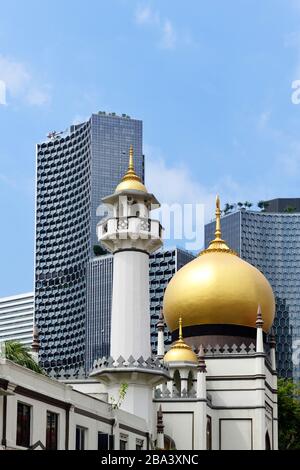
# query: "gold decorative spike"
(218, 232)
(131, 164)
(218, 244)
(131, 181)
(180, 328)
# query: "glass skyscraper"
(270, 241)
(162, 266)
(75, 170)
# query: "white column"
(130, 323)
(160, 337)
(202, 408)
(260, 412)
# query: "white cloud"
(20, 84)
(145, 15)
(169, 37)
(264, 119)
(79, 119)
(168, 40)
(176, 184)
(289, 163)
(36, 97)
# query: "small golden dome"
(180, 351)
(131, 181)
(218, 287)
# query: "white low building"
(38, 412)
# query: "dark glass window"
(103, 441)
(23, 425)
(80, 438)
(51, 431)
(123, 444)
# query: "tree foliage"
(20, 354)
(288, 414)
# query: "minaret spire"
(218, 232)
(180, 329)
(131, 180)
(131, 163)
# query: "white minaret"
(160, 336)
(260, 412)
(131, 236)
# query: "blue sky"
(212, 81)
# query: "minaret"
(260, 411)
(259, 332)
(202, 399)
(272, 344)
(160, 336)
(131, 235)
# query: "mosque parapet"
(147, 365)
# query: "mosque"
(216, 386)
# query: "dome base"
(221, 335)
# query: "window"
(123, 442)
(80, 438)
(139, 444)
(51, 431)
(103, 441)
(23, 425)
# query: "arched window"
(190, 382)
(177, 383)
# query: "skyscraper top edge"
(54, 135)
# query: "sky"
(211, 80)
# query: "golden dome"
(180, 351)
(131, 181)
(218, 287)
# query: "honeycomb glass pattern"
(271, 242)
(75, 170)
(62, 244)
(163, 265)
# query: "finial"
(180, 328)
(218, 245)
(131, 164)
(218, 232)
(259, 318)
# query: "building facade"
(271, 241)
(40, 413)
(163, 264)
(16, 318)
(75, 170)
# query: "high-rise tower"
(75, 170)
